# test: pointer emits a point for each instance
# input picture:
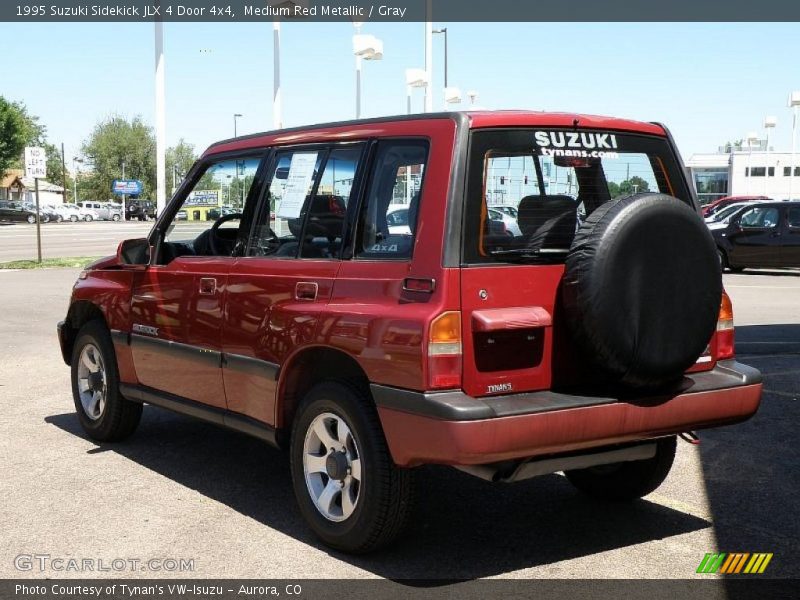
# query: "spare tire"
(642, 289)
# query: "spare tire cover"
(642, 289)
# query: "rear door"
(277, 293)
(512, 335)
(790, 245)
(756, 241)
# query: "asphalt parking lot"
(98, 238)
(182, 489)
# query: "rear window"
(529, 190)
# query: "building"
(16, 187)
(745, 173)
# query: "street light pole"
(365, 47)
(429, 56)
(75, 160)
(751, 137)
(277, 119)
(124, 196)
(444, 31)
(794, 102)
(235, 116)
(769, 123)
(161, 120)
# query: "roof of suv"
(472, 119)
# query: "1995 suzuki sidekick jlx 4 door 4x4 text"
(583, 338)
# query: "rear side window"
(794, 217)
(388, 221)
(529, 190)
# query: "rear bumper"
(456, 429)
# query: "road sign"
(126, 187)
(35, 162)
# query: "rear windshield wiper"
(529, 253)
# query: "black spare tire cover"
(642, 289)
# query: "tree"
(17, 130)
(180, 159)
(634, 185)
(114, 141)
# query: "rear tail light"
(444, 351)
(725, 329)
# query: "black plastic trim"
(205, 356)
(120, 337)
(451, 256)
(63, 341)
(210, 414)
(458, 406)
(250, 365)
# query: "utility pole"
(63, 173)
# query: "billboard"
(203, 198)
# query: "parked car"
(142, 210)
(215, 213)
(72, 212)
(722, 217)
(509, 222)
(509, 210)
(366, 353)
(15, 212)
(397, 219)
(102, 210)
(713, 207)
(764, 235)
(181, 215)
(46, 214)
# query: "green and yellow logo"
(735, 562)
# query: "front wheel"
(349, 491)
(59, 219)
(88, 218)
(74, 218)
(626, 480)
(102, 411)
(115, 218)
(31, 219)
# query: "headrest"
(536, 210)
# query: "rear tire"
(115, 218)
(88, 218)
(103, 413)
(379, 494)
(627, 480)
(73, 219)
(31, 219)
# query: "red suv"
(583, 338)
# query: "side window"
(760, 217)
(388, 221)
(325, 214)
(294, 215)
(207, 222)
(794, 217)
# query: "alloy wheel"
(332, 467)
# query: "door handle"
(306, 290)
(208, 286)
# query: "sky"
(708, 82)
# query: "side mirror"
(134, 253)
